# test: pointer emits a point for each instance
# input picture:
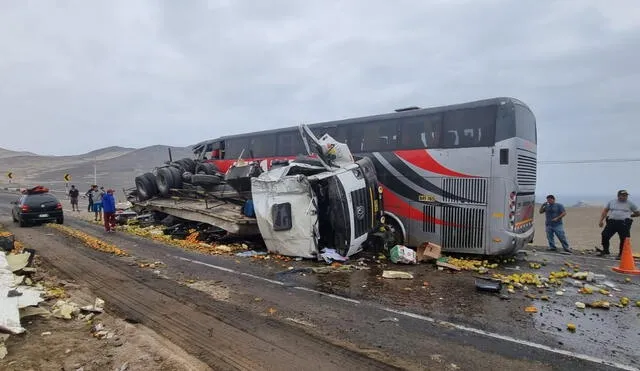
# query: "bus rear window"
(525, 124)
(469, 127)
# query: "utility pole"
(95, 172)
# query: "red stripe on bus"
(398, 206)
(424, 160)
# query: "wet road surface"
(398, 319)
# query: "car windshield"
(40, 199)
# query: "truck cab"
(326, 200)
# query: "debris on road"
(571, 327)
(601, 304)
(89, 240)
(97, 307)
(250, 253)
(488, 285)
(331, 255)
(402, 254)
(531, 309)
(397, 275)
(390, 319)
(428, 251)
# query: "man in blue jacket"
(109, 209)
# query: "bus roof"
(403, 113)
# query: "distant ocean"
(571, 200)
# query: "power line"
(598, 161)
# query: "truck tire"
(186, 177)
(206, 168)
(164, 181)
(146, 186)
(176, 177)
(206, 180)
(188, 164)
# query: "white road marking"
(456, 326)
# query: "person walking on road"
(618, 214)
(109, 207)
(97, 203)
(73, 196)
(554, 213)
(89, 195)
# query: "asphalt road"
(444, 324)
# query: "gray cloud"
(89, 74)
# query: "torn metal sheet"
(286, 212)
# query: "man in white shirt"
(618, 214)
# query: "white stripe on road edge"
(476, 331)
(327, 294)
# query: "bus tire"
(206, 168)
(206, 180)
(164, 181)
(146, 186)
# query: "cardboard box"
(428, 251)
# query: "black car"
(37, 207)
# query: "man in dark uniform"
(618, 214)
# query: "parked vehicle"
(37, 205)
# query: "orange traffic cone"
(627, 264)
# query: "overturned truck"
(299, 207)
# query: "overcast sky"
(79, 75)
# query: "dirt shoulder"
(51, 343)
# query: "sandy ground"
(57, 344)
(583, 232)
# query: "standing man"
(97, 203)
(109, 207)
(618, 214)
(554, 212)
(73, 196)
(89, 195)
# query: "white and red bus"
(462, 176)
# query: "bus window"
(235, 146)
(319, 132)
(525, 123)
(421, 131)
(355, 140)
(263, 146)
(470, 127)
(380, 136)
(290, 144)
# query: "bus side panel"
(461, 208)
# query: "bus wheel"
(396, 232)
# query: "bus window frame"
(486, 140)
(295, 135)
(421, 120)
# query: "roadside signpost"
(10, 176)
(67, 179)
